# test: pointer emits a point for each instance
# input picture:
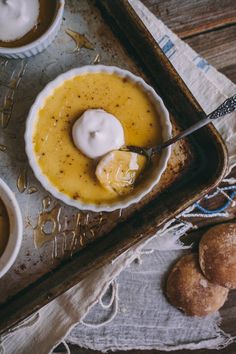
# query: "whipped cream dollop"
(17, 17)
(97, 132)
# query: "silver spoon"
(225, 108)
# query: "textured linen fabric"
(144, 318)
(133, 313)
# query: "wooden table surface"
(209, 26)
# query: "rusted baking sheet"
(196, 166)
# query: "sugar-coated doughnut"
(217, 255)
(188, 289)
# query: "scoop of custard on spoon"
(118, 171)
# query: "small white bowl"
(132, 198)
(16, 228)
(39, 44)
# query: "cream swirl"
(97, 132)
(17, 17)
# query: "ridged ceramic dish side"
(16, 228)
(32, 117)
(39, 44)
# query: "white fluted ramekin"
(136, 195)
(16, 228)
(40, 43)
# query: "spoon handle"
(181, 135)
(225, 108)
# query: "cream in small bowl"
(61, 163)
(27, 27)
(11, 228)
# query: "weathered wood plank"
(76, 350)
(230, 72)
(188, 17)
(218, 47)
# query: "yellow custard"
(65, 166)
(4, 227)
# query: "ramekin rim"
(16, 228)
(42, 38)
(59, 80)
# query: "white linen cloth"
(139, 315)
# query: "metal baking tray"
(53, 260)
